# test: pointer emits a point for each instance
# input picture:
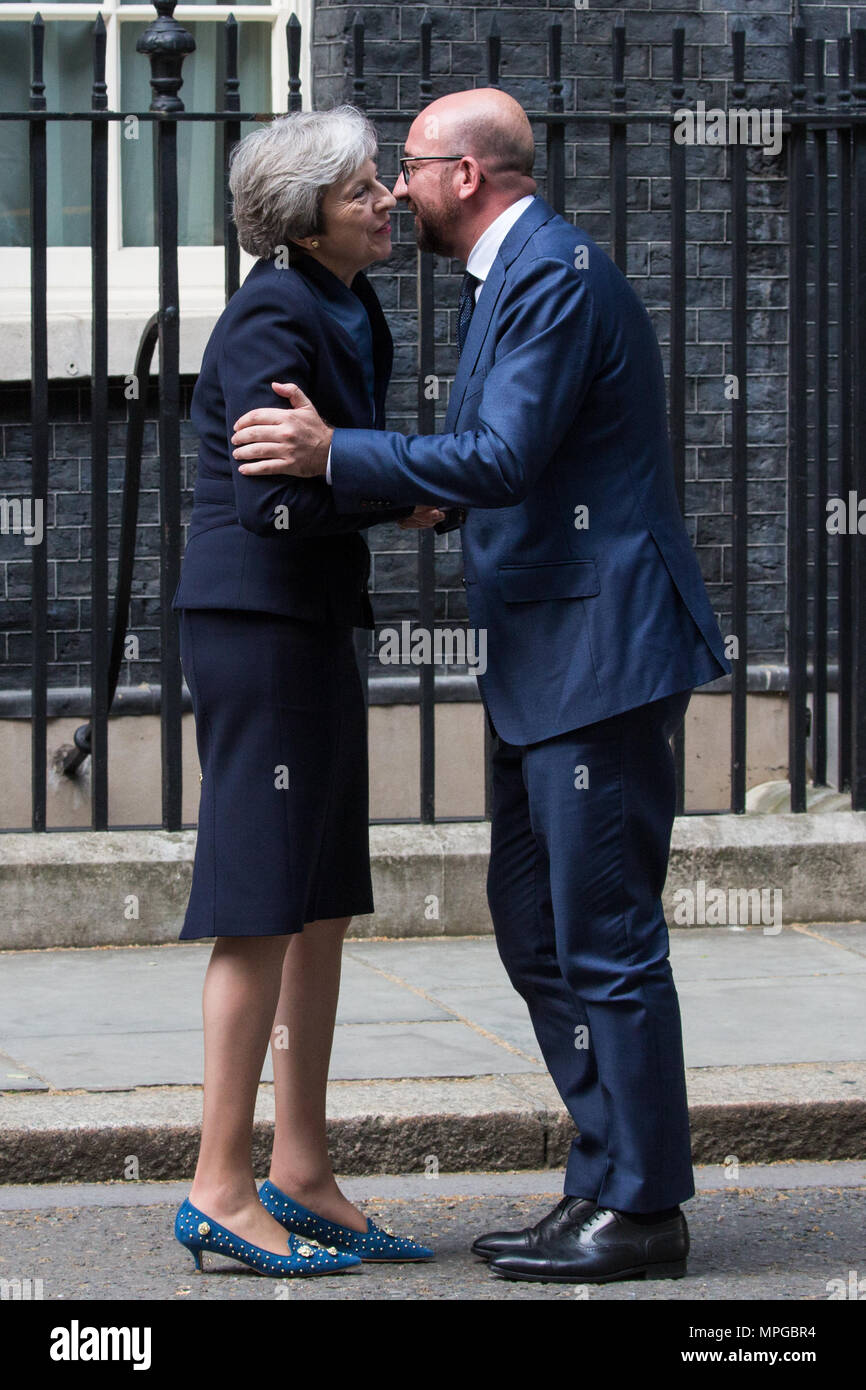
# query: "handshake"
(441, 521)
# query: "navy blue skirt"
(281, 729)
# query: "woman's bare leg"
(241, 989)
(301, 1051)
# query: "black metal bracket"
(128, 523)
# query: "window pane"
(199, 143)
(68, 79)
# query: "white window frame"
(133, 293)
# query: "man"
(578, 565)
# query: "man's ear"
(465, 191)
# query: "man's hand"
(293, 441)
(421, 519)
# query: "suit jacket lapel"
(478, 325)
(529, 221)
(383, 344)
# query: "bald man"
(577, 564)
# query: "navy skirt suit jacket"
(273, 582)
(279, 545)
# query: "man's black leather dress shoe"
(607, 1246)
(571, 1211)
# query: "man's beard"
(434, 230)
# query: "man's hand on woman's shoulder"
(295, 441)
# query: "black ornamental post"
(166, 43)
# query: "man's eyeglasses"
(425, 158)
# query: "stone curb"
(493, 1142)
(130, 887)
(495, 1124)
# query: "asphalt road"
(767, 1242)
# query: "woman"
(274, 580)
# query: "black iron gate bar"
(822, 307)
(858, 470)
(167, 44)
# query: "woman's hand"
(421, 519)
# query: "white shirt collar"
(485, 250)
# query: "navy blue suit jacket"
(278, 544)
(558, 404)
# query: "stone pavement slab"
(101, 1055)
(108, 1018)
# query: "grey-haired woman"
(273, 582)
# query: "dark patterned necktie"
(465, 308)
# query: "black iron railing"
(829, 274)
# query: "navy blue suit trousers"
(581, 827)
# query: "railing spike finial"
(37, 50)
(618, 54)
(166, 44)
(425, 81)
(494, 50)
(678, 48)
(359, 81)
(231, 96)
(738, 48)
(99, 90)
(843, 67)
(554, 65)
(293, 45)
(798, 62)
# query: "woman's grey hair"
(278, 175)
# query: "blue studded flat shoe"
(198, 1233)
(377, 1243)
